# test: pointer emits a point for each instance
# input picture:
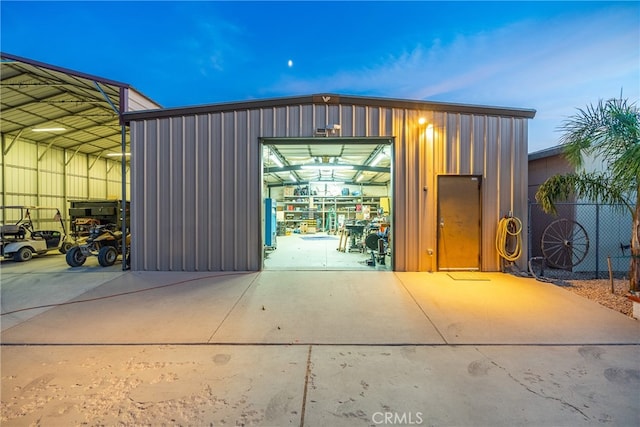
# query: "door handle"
(441, 222)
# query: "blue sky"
(554, 57)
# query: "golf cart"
(20, 241)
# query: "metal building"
(61, 135)
(197, 177)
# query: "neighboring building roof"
(332, 99)
(547, 152)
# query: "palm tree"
(608, 131)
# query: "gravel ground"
(599, 290)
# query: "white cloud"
(553, 66)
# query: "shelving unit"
(326, 210)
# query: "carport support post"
(123, 203)
(4, 174)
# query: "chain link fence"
(580, 241)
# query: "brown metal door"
(459, 222)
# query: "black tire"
(23, 254)
(74, 257)
(107, 256)
(65, 247)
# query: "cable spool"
(509, 231)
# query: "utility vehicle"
(20, 241)
(104, 242)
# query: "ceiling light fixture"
(327, 182)
(117, 154)
(58, 129)
(327, 166)
(277, 161)
(292, 177)
(378, 159)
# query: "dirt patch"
(599, 290)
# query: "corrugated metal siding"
(35, 174)
(196, 194)
(196, 183)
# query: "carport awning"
(57, 107)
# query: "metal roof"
(547, 152)
(291, 160)
(36, 95)
(328, 98)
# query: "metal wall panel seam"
(287, 125)
(254, 192)
(401, 192)
(234, 178)
(184, 183)
(222, 170)
(172, 196)
(236, 201)
(512, 163)
(300, 121)
(157, 188)
(422, 195)
(149, 165)
(237, 198)
(208, 222)
(196, 192)
(162, 143)
(216, 163)
(210, 188)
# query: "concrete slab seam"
(306, 387)
(151, 288)
(224, 319)
(421, 309)
(317, 344)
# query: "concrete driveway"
(311, 348)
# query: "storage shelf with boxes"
(304, 206)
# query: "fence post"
(529, 240)
(610, 273)
(597, 240)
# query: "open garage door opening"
(327, 204)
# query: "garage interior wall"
(196, 189)
(36, 175)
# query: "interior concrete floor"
(319, 251)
